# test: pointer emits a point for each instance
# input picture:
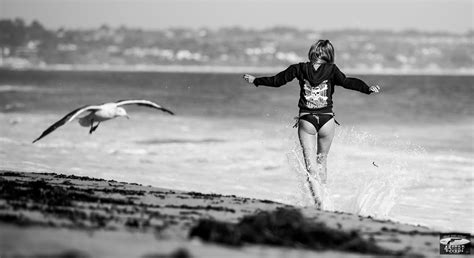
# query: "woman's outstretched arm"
(353, 83)
(274, 81)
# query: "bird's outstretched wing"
(142, 102)
(66, 119)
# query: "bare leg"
(307, 136)
(325, 137)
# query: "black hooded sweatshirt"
(316, 86)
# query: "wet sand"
(47, 214)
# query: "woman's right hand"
(249, 78)
(374, 88)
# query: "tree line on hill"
(32, 44)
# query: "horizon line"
(247, 28)
(228, 69)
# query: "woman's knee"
(321, 158)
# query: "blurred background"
(229, 137)
(369, 36)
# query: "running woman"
(316, 124)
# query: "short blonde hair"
(321, 51)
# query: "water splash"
(303, 188)
(307, 185)
(380, 168)
(366, 175)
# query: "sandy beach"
(48, 214)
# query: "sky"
(425, 15)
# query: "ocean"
(404, 154)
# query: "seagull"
(100, 113)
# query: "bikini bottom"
(317, 120)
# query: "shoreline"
(106, 217)
(225, 69)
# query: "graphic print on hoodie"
(316, 97)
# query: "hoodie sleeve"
(348, 82)
(280, 79)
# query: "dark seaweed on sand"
(42, 192)
(38, 191)
(284, 227)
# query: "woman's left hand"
(374, 88)
(249, 78)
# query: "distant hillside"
(32, 46)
